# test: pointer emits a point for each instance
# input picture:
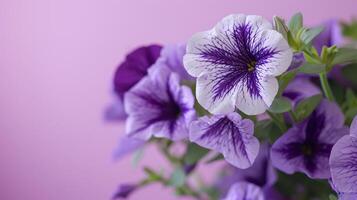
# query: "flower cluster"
(270, 99)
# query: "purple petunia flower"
(228, 134)
(128, 73)
(331, 35)
(172, 57)
(236, 63)
(306, 147)
(300, 88)
(245, 191)
(261, 173)
(127, 145)
(343, 163)
(159, 106)
(124, 190)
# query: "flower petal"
(127, 145)
(353, 128)
(245, 191)
(228, 134)
(216, 102)
(343, 162)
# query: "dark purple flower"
(128, 73)
(306, 147)
(245, 191)
(261, 173)
(236, 63)
(124, 190)
(300, 88)
(343, 162)
(159, 106)
(228, 134)
(172, 57)
(135, 67)
(297, 61)
(127, 145)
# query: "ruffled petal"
(353, 128)
(228, 134)
(343, 163)
(245, 191)
(126, 146)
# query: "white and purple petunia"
(228, 134)
(306, 147)
(245, 191)
(159, 106)
(236, 63)
(343, 163)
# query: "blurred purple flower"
(297, 61)
(306, 147)
(159, 106)
(343, 163)
(128, 73)
(228, 134)
(261, 173)
(331, 35)
(172, 57)
(124, 190)
(300, 88)
(127, 145)
(245, 191)
(236, 63)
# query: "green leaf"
(280, 105)
(178, 177)
(137, 156)
(263, 128)
(285, 79)
(296, 23)
(152, 175)
(349, 72)
(332, 197)
(350, 29)
(194, 153)
(345, 55)
(305, 107)
(308, 35)
(280, 26)
(309, 68)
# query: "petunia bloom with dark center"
(236, 63)
(159, 106)
(229, 135)
(343, 163)
(306, 147)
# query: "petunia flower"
(158, 106)
(228, 134)
(300, 88)
(126, 146)
(172, 57)
(343, 163)
(128, 73)
(306, 147)
(124, 191)
(331, 35)
(236, 63)
(245, 191)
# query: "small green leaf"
(178, 177)
(296, 23)
(263, 128)
(345, 55)
(308, 35)
(332, 197)
(280, 105)
(194, 153)
(349, 72)
(152, 175)
(305, 107)
(309, 68)
(137, 156)
(285, 79)
(280, 26)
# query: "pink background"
(56, 63)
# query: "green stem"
(277, 121)
(293, 116)
(326, 87)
